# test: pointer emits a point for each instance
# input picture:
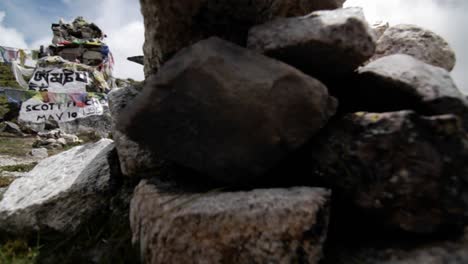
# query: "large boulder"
(323, 43)
(135, 159)
(173, 25)
(418, 42)
(227, 112)
(61, 194)
(399, 82)
(258, 226)
(400, 169)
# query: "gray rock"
(97, 124)
(227, 112)
(399, 82)
(259, 226)
(6, 160)
(40, 153)
(379, 28)
(56, 133)
(323, 43)
(71, 139)
(405, 170)
(50, 141)
(12, 128)
(61, 193)
(418, 42)
(191, 21)
(62, 141)
(135, 159)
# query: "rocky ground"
(15, 159)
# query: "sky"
(26, 24)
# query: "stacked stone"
(274, 132)
(79, 41)
(284, 97)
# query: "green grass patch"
(6, 76)
(4, 106)
(15, 146)
(19, 167)
(18, 252)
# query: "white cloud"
(125, 42)
(45, 41)
(447, 18)
(10, 37)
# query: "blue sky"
(26, 23)
(30, 17)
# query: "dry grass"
(15, 146)
(6, 181)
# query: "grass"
(6, 181)
(15, 146)
(19, 167)
(4, 105)
(7, 79)
(18, 252)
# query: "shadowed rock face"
(227, 112)
(418, 42)
(135, 159)
(322, 44)
(407, 171)
(258, 226)
(173, 25)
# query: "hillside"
(7, 79)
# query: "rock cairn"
(275, 132)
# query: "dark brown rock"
(406, 171)
(258, 226)
(227, 112)
(173, 25)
